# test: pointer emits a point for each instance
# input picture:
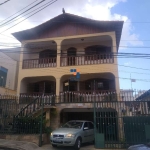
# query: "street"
(6, 148)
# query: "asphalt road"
(4, 148)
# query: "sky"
(135, 35)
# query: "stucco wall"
(12, 66)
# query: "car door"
(91, 131)
(85, 132)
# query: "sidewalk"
(23, 145)
(20, 145)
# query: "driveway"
(83, 147)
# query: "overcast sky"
(134, 35)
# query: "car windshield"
(73, 124)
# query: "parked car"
(140, 147)
(73, 133)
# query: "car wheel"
(54, 145)
(77, 144)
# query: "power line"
(68, 71)
(50, 3)
(21, 13)
(4, 2)
(120, 65)
(18, 11)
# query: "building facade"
(71, 57)
(9, 63)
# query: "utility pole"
(41, 125)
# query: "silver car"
(140, 147)
(73, 133)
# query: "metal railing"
(39, 63)
(121, 124)
(36, 105)
(87, 96)
(86, 59)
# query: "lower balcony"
(87, 96)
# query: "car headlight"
(70, 135)
(51, 134)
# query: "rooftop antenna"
(63, 10)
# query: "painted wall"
(12, 66)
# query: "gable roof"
(106, 26)
(144, 96)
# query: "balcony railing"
(86, 59)
(26, 98)
(87, 96)
(39, 63)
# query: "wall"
(4, 91)
(12, 66)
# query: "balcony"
(86, 60)
(87, 96)
(39, 63)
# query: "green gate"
(119, 124)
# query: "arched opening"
(46, 54)
(97, 49)
(42, 86)
(97, 52)
(69, 85)
(71, 53)
(97, 84)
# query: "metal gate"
(119, 124)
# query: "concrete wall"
(12, 66)
(34, 138)
(8, 91)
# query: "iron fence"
(119, 124)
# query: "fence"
(121, 119)
(17, 118)
(121, 124)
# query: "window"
(91, 126)
(100, 85)
(85, 125)
(3, 76)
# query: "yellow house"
(71, 57)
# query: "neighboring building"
(127, 95)
(9, 71)
(56, 49)
(139, 93)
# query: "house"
(127, 95)
(9, 62)
(144, 100)
(72, 58)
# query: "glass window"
(85, 124)
(73, 124)
(91, 126)
(100, 85)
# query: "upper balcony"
(72, 52)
